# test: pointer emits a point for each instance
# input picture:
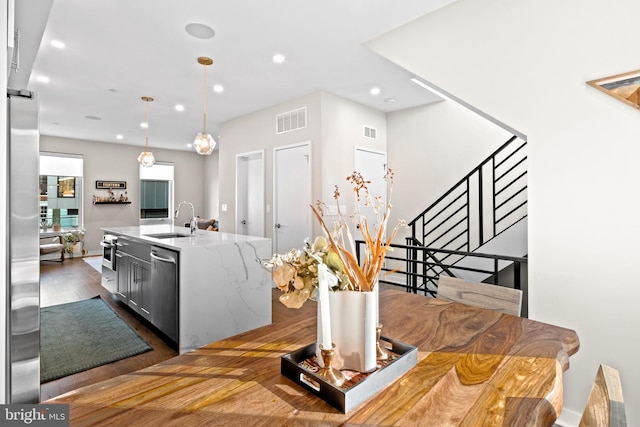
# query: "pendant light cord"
(204, 92)
(146, 144)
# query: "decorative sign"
(111, 185)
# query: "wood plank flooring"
(75, 280)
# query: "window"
(61, 189)
(156, 194)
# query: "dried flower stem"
(361, 277)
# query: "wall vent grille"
(291, 120)
(370, 132)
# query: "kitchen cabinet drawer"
(134, 248)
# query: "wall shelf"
(111, 203)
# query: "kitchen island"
(221, 290)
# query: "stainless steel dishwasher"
(164, 284)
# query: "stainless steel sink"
(168, 235)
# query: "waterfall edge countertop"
(223, 290)
(184, 239)
(475, 367)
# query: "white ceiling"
(120, 50)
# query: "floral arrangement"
(296, 272)
(70, 238)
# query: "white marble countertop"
(223, 290)
(201, 238)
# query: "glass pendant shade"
(204, 144)
(146, 159)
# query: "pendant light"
(146, 158)
(204, 143)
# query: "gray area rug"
(78, 336)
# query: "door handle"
(156, 257)
(278, 225)
(243, 222)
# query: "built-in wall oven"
(109, 245)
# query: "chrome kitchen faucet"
(192, 223)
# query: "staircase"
(476, 231)
(487, 201)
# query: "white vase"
(354, 317)
(77, 249)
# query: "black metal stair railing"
(488, 200)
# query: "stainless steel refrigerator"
(23, 248)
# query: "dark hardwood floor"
(75, 280)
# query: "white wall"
(526, 63)
(334, 127)
(257, 131)
(118, 162)
(343, 124)
(430, 149)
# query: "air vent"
(291, 120)
(370, 132)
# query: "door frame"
(261, 153)
(274, 240)
(356, 149)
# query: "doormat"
(78, 336)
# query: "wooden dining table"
(475, 367)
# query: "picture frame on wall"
(624, 87)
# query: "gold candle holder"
(381, 353)
(327, 372)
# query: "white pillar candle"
(323, 289)
(377, 304)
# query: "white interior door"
(292, 196)
(372, 165)
(250, 194)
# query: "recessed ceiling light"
(119, 136)
(179, 107)
(200, 31)
(42, 79)
(375, 91)
(218, 88)
(190, 145)
(278, 58)
(93, 117)
(58, 44)
(143, 125)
